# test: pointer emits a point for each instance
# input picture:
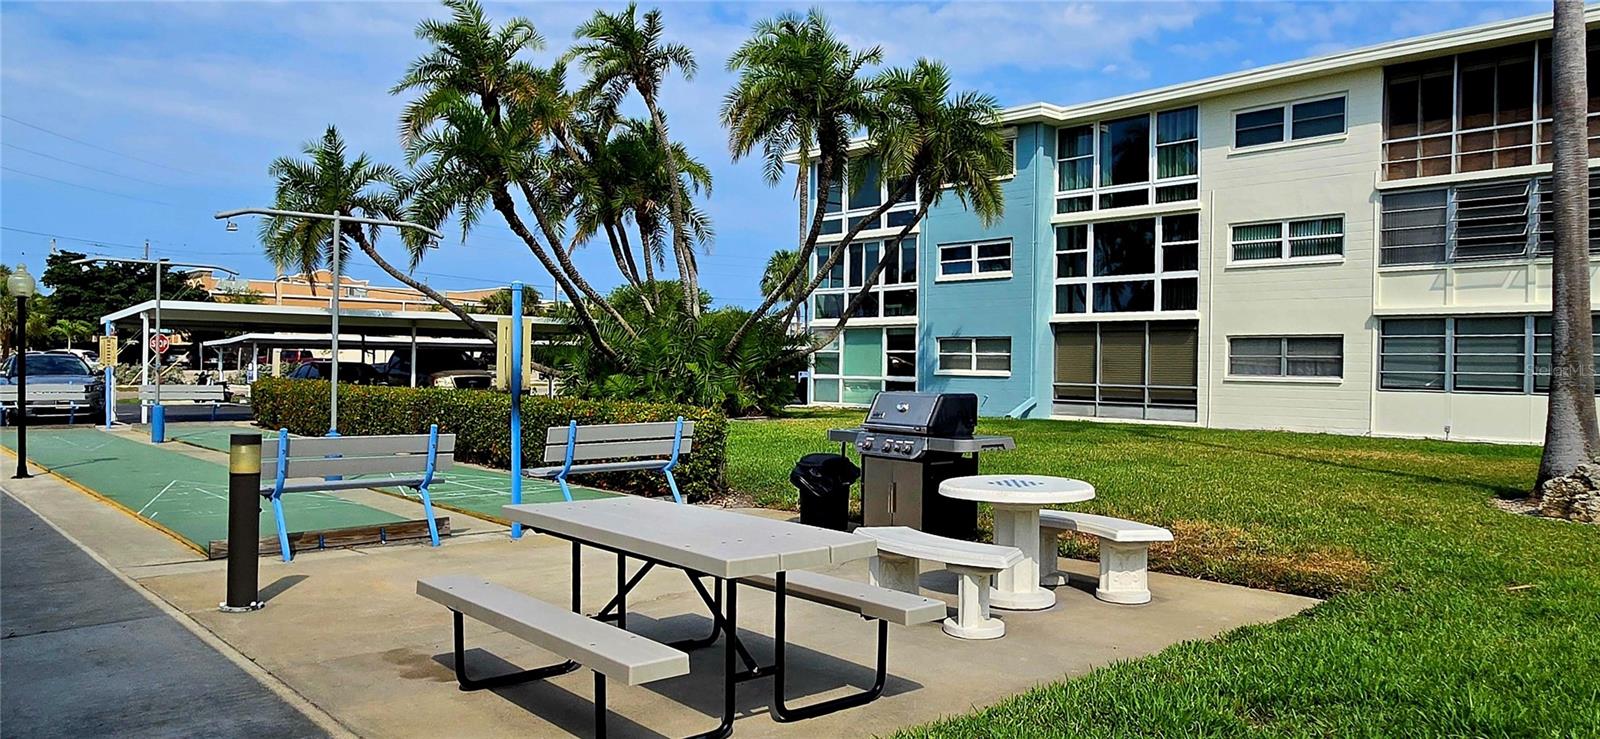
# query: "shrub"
(481, 421)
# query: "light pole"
(158, 415)
(337, 235)
(20, 284)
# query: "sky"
(128, 122)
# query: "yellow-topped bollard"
(244, 527)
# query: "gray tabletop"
(708, 540)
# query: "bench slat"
(618, 432)
(857, 597)
(356, 446)
(1119, 530)
(617, 449)
(46, 392)
(319, 485)
(549, 473)
(606, 649)
(182, 392)
(909, 542)
(348, 466)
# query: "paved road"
(85, 655)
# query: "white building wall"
(1325, 177)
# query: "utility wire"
(74, 140)
(10, 145)
(91, 189)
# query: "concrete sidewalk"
(87, 655)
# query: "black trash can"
(824, 482)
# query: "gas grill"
(911, 442)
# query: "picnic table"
(703, 542)
(1016, 500)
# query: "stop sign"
(160, 343)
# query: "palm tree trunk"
(564, 258)
(649, 264)
(891, 254)
(680, 235)
(1571, 435)
(508, 211)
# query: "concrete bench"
(213, 394)
(899, 563)
(1124, 552)
(630, 446)
(323, 464)
(48, 397)
(606, 650)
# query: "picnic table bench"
(898, 566)
(629, 446)
(323, 464)
(1124, 551)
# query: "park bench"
(899, 563)
(213, 394)
(323, 464)
(48, 397)
(1124, 552)
(608, 651)
(630, 446)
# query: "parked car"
(462, 379)
(397, 371)
(351, 372)
(90, 357)
(58, 368)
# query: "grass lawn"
(1445, 616)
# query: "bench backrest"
(183, 392)
(617, 441)
(46, 393)
(316, 456)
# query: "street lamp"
(158, 414)
(339, 219)
(20, 285)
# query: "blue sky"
(124, 122)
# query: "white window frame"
(1089, 279)
(1284, 358)
(1286, 118)
(882, 378)
(1010, 136)
(846, 213)
(974, 260)
(972, 354)
(1286, 242)
(1155, 182)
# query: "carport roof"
(271, 318)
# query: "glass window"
(1543, 348)
(1258, 241)
(1286, 356)
(869, 190)
(1124, 297)
(1411, 354)
(1010, 144)
(985, 356)
(1125, 247)
(1489, 354)
(1413, 227)
(989, 259)
(1258, 127)
(1304, 238)
(1125, 151)
(1177, 143)
(1546, 216)
(1075, 150)
(900, 352)
(1097, 279)
(1072, 298)
(1317, 118)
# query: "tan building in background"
(296, 290)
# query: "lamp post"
(337, 234)
(21, 286)
(158, 414)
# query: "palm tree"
(946, 146)
(1571, 435)
(69, 329)
(619, 54)
(779, 265)
(799, 88)
(327, 182)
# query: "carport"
(254, 342)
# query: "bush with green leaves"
(481, 421)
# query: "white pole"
(255, 365)
(413, 354)
(144, 364)
(333, 394)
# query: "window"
(894, 295)
(1293, 122)
(1507, 219)
(1546, 217)
(1310, 238)
(975, 356)
(1109, 164)
(1127, 369)
(1140, 265)
(1478, 354)
(1474, 112)
(979, 260)
(1286, 356)
(872, 190)
(852, 369)
(1011, 155)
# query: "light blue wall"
(1016, 307)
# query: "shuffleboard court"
(185, 496)
(215, 439)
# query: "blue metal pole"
(515, 383)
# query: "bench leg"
(1050, 574)
(497, 681)
(972, 619)
(1124, 573)
(780, 709)
(599, 706)
(672, 483)
(427, 510)
(283, 529)
(566, 492)
(895, 572)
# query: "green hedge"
(481, 421)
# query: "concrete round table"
(1017, 500)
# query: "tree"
(69, 329)
(800, 88)
(326, 182)
(86, 292)
(498, 303)
(1571, 435)
(619, 54)
(40, 317)
(779, 265)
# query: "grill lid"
(949, 415)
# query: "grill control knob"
(866, 443)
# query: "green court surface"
(185, 496)
(470, 490)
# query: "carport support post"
(515, 383)
(111, 384)
(333, 391)
(144, 364)
(413, 354)
(244, 516)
